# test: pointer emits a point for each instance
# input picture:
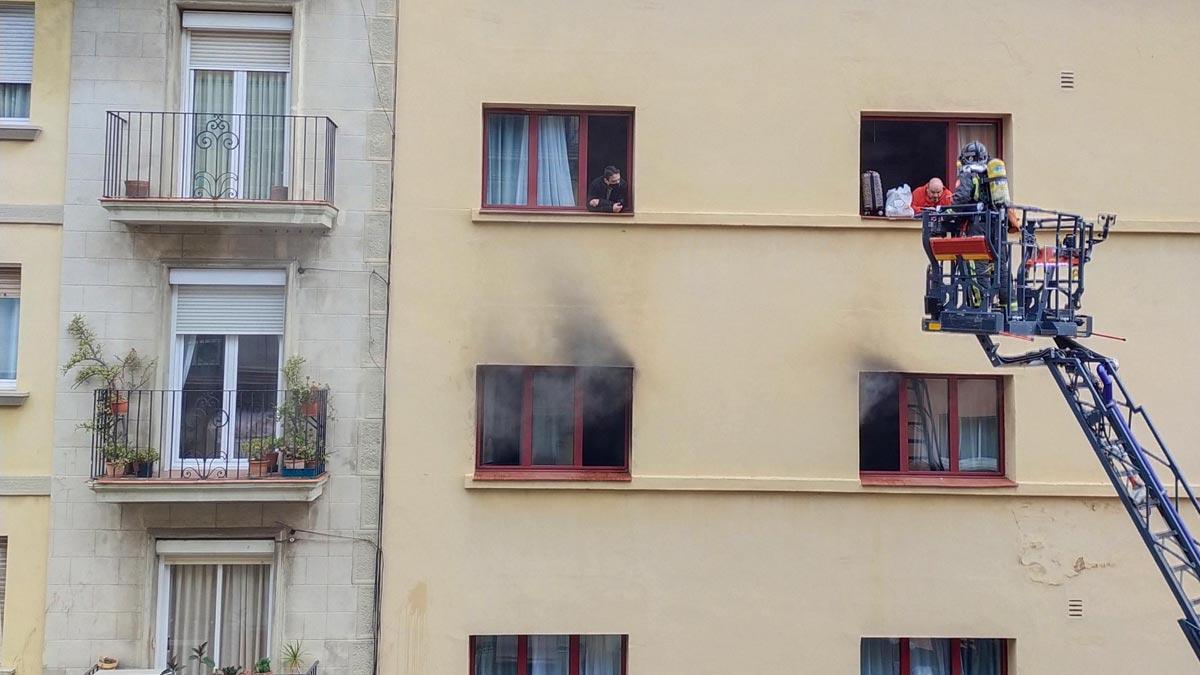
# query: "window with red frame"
(933, 656)
(548, 654)
(944, 424)
(912, 150)
(554, 421)
(546, 159)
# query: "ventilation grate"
(1075, 609)
(1066, 79)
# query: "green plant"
(231, 670)
(173, 667)
(258, 448)
(142, 455)
(118, 373)
(262, 666)
(200, 655)
(117, 453)
(293, 656)
(296, 441)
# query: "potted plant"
(230, 670)
(117, 375)
(299, 460)
(116, 459)
(141, 461)
(263, 666)
(303, 394)
(293, 656)
(279, 193)
(107, 663)
(261, 453)
(137, 189)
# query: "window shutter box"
(229, 310)
(240, 51)
(16, 43)
(10, 282)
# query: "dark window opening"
(608, 145)
(503, 389)
(879, 422)
(933, 656)
(548, 654)
(606, 401)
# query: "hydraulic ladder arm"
(1140, 473)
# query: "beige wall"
(749, 296)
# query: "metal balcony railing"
(208, 434)
(221, 156)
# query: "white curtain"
(264, 134)
(982, 657)
(188, 356)
(14, 100)
(600, 655)
(10, 311)
(508, 160)
(245, 614)
(192, 617)
(495, 655)
(879, 656)
(978, 444)
(549, 654)
(553, 418)
(214, 136)
(984, 133)
(558, 139)
(929, 656)
(928, 412)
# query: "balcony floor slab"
(317, 217)
(153, 490)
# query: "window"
(214, 591)
(10, 315)
(931, 424)
(548, 654)
(16, 60)
(226, 359)
(547, 159)
(933, 656)
(238, 69)
(913, 150)
(554, 422)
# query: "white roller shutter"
(240, 51)
(229, 310)
(16, 43)
(10, 282)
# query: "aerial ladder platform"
(982, 282)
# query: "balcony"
(200, 445)
(204, 170)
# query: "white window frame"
(218, 552)
(33, 56)
(11, 385)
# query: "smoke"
(878, 384)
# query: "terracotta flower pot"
(279, 193)
(310, 408)
(137, 189)
(120, 406)
(260, 467)
(293, 464)
(114, 470)
(107, 663)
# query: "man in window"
(930, 195)
(607, 194)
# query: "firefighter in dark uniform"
(974, 187)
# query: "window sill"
(928, 480)
(9, 398)
(536, 475)
(18, 131)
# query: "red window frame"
(906, 654)
(527, 470)
(582, 182)
(952, 122)
(952, 393)
(523, 654)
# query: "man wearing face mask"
(607, 194)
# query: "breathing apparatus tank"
(998, 181)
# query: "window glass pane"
(605, 415)
(257, 384)
(600, 655)
(879, 422)
(553, 417)
(982, 657)
(928, 410)
(879, 656)
(929, 656)
(192, 613)
(202, 416)
(549, 654)
(978, 426)
(496, 655)
(558, 160)
(904, 151)
(608, 145)
(213, 135)
(503, 394)
(10, 314)
(984, 133)
(245, 613)
(14, 100)
(508, 159)
(263, 133)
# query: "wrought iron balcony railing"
(223, 156)
(203, 434)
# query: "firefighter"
(975, 187)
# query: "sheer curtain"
(192, 615)
(928, 656)
(978, 425)
(928, 402)
(263, 138)
(508, 159)
(245, 614)
(214, 135)
(879, 656)
(984, 133)
(14, 100)
(558, 157)
(553, 417)
(600, 655)
(10, 311)
(549, 654)
(982, 657)
(495, 655)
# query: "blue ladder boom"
(1108, 416)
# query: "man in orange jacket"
(930, 195)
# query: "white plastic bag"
(899, 202)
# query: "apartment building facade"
(34, 63)
(667, 439)
(224, 257)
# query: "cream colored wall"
(33, 172)
(25, 522)
(749, 297)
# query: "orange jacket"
(920, 199)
